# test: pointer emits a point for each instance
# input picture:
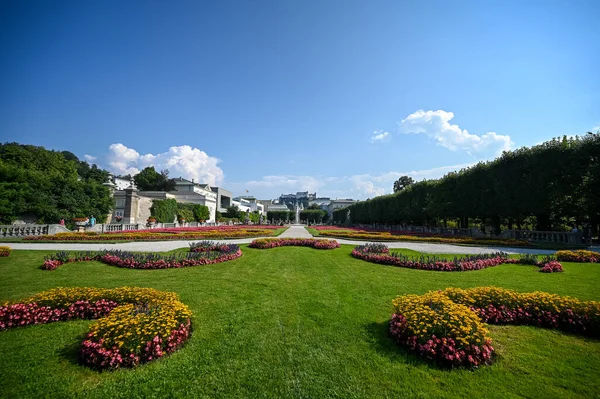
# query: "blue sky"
(338, 97)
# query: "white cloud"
(356, 186)
(378, 135)
(436, 124)
(184, 161)
(89, 158)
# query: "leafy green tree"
(47, 185)
(233, 212)
(402, 183)
(201, 212)
(150, 180)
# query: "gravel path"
(295, 231)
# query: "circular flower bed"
(134, 326)
(202, 253)
(379, 253)
(266, 243)
(447, 326)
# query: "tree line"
(548, 186)
(48, 186)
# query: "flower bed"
(134, 326)
(384, 235)
(5, 251)
(379, 253)
(215, 253)
(266, 243)
(447, 326)
(581, 256)
(184, 233)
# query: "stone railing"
(544, 236)
(24, 230)
(455, 231)
(107, 228)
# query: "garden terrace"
(184, 233)
(296, 322)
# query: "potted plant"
(118, 218)
(181, 221)
(151, 221)
(80, 221)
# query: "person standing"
(62, 222)
(92, 221)
(587, 234)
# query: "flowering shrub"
(379, 253)
(198, 255)
(183, 233)
(548, 264)
(447, 326)
(134, 326)
(581, 256)
(384, 235)
(266, 243)
(5, 251)
(551, 267)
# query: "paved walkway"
(295, 231)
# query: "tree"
(46, 184)
(233, 212)
(402, 183)
(150, 180)
(201, 212)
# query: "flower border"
(447, 326)
(268, 243)
(133, 325)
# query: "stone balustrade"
(455, 231)
(24, 230)
(561, 237)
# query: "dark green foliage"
(164, 210)
(233, 212)
(49, 185)
(402, 183)
(185, 214)
(553, 184)
(313, 215)
(280, 215)
(339, 215)
(201, 212)
(150, 180)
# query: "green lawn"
(295, 322)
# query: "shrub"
(134, 326)
(164, 210)
(5, 251)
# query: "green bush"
(164, 210)
(201, 212)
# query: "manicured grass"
(295, 322)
